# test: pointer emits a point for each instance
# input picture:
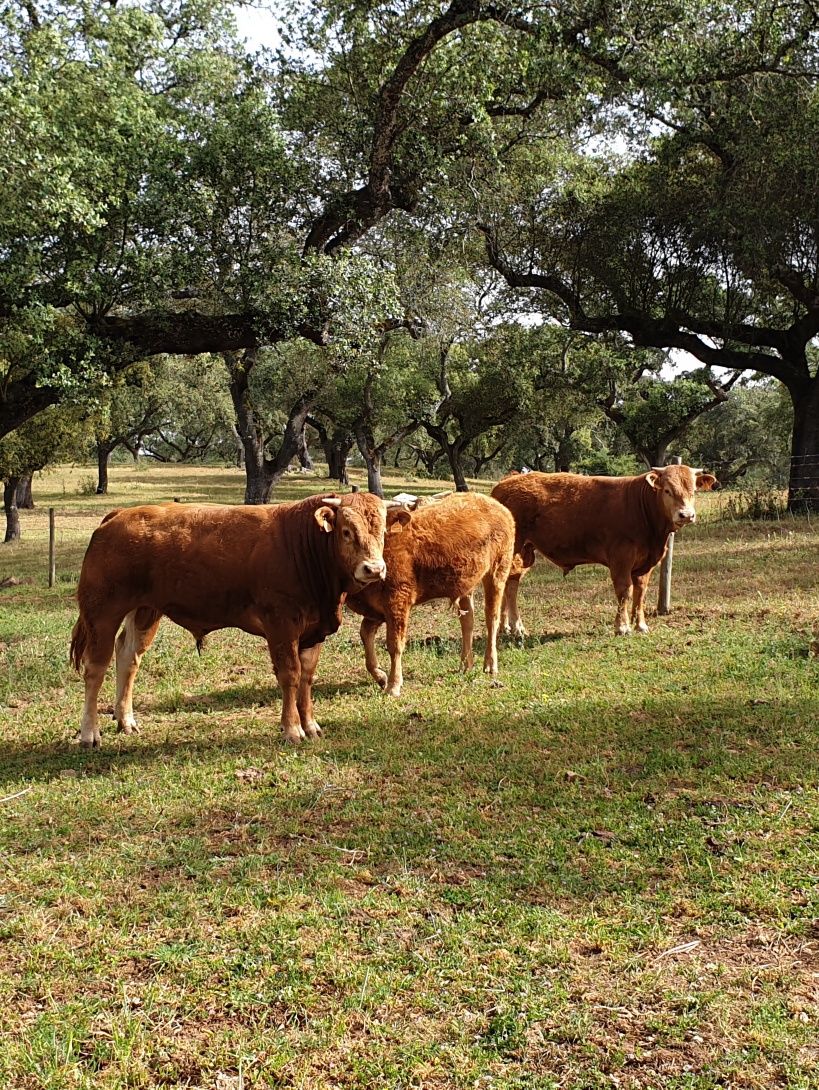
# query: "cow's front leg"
(466, 615)
(287, 664)
(309, 661)
(638, 617)
(396, 642)
(368, 631)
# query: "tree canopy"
(648, 175)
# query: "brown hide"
(279, 572)
(446, 550)
(620, 522)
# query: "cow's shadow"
(264, 694)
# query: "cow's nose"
(687, 515)
(375, 568)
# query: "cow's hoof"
(92, 740)
(381, 679)
(393, 690)
(312, 729)
(466, 665)
(623, 630)
(127, 725)
(294, 735)
(643, 627)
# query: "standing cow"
(620, 522)
(280, 572)
(450, 546)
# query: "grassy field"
(603, 874)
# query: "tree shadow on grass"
(635, 735)
(582, 802)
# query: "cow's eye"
(347, 534)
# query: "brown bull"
(620, 522)
(450, 546)
(280, 572)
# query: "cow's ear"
(326, 518)
(397, 520)
(705, 482)
(653, 478)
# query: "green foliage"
(174, 408)
(58, 434)
(746, 440)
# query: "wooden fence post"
(52, 563)
(666, 564)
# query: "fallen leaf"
(249, 775)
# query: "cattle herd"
(284, 572)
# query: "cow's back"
(204, 566)
(454, 542)
(443, 553)
(573, 519)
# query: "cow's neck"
(657, 524)
(319, 576)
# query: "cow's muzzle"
(368, 571)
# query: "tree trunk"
(25, 500)
(453, 449)
(104, 451)
(654, 455)
(454, 454)
(10, 507)
(337, 453)
(563, 458)
(262, 472)
(803, 485)
(240, 450)
(372, 460)
(302, 451)
(258, 481)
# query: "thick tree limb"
(684, 332)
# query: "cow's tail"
(79, 642)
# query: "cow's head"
(675, 487)
(358, 523)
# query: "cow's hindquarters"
(92, 648)
(522, 561)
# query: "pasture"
(603, 874)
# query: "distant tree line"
(455, 238)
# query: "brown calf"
(450, 546)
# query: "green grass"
(603, 874)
